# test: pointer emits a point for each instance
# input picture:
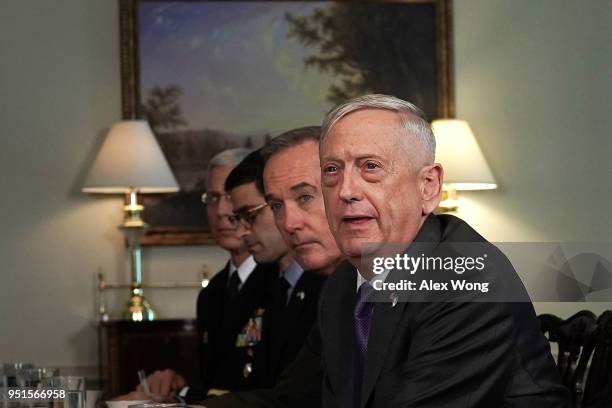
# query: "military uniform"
(222, 318)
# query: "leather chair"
(598, 389)
(576, 338)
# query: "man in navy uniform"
(233, 296)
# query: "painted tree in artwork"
(371, 47)
(162, 108)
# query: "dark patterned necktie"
(362, 316)
(233, 286)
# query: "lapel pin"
(393, 299)
(300, 295)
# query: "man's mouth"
(356, 220)
(303, 245)
(250, 242)
(252, 245)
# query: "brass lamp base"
(138, 309)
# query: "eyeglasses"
(247, 217)
(212, 198)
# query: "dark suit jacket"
(435, 355)
(286, 329)
(220, 321)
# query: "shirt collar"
(244, 270)
(293, 273)
(377, 277)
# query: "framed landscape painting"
(212, 75)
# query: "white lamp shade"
(465, 168)
(130, 159)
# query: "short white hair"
(229, 157)
(411, 117)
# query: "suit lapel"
(385, 320)
(219, 297)
(337, 334)
(386, 317)
(288, 319)
(296, 305)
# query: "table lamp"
(465, 167)
(129, 162)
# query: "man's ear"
(430, 178)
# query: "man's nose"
(225, 206)
(293, 219)
(242, 230)
(350, 190)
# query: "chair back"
(575, 338)
(598, 388)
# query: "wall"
(531, 77)
(533, 80)
(60, 86)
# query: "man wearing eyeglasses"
(252, 219)
(291, 311)
(226, 307)
(230, 303)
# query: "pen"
(143, 381)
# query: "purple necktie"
(361, 324)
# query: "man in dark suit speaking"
(381, 185)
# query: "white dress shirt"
(244, 270)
